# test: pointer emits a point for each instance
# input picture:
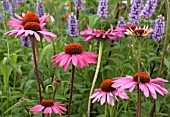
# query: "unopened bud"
(56, 83)
(23, 101)
(6, 60)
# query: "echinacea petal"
(56, 110)
(48, 110)
(74, 60)
(144, 89)
(103, 99)
(36, 108)
(152, 90)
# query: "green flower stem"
(166, 37)
(95, 76)
(163, 53)
(138, 112)
(36, 69)
(106, 110)
(71, 90)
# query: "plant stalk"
(138, 112)
(95, 76)
(71, 90)
(36, 70)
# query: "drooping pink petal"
(48, 110)
(103, 99)
(64, 59)
(48, 33)
(36, 108)
(37, 36)
(152, 90)
(74, 60)
(19, 17)
(144, 89)
(56, 110)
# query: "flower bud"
(56, 83)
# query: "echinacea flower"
(48, 106)
(74, 54)
(146, 84)
(112, 34)
(139, 31)
(29, 25)
(106, 93)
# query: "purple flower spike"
(102, 8)
(78, 4)
(19, 1)
(159, 28)
(14, 3)
(135, 10)
(149, 8)
(73, 25)
(5, 5)
(121, 22)
(40, 8)
(26, 41)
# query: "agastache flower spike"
(121, 22)
(19, 1)
(14, 3)
(149, 8)
(72, 25)
(135, 10)
(26, 41)
(40, 8)
(159, 28)
(102, 8)
(5, 5)
(78, 4)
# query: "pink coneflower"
(74, 54)
(112, 34)
(106, 93)
(29, 25)
(48, 106)
(146, 84)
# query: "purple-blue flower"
(40, 8)
(121, 22)
(73, 25)
(5, 5)
(149, 8)
(102, 8)
(78, 4)
(26, 41)
(19, 1)
(14, 3)
(135, 10)
(158, 27)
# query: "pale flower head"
(139, 32)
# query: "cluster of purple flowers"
(73, 25)
(26, 41)
(40, 8)
(149, 8)
(102, 8)
(159, 28)
(121, 22)
(78, 4)
(135, 10)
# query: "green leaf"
(45, 50)
(13, 107)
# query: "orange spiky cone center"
(144, 77)
(47, 103)
(74, 48)
(106, 85)
(30, 17)
(32, 26)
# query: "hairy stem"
(138, 112)
(106, 110)
(55, 89)
(163, 53)
(71, 90)
(36, 70)
(95, 76)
